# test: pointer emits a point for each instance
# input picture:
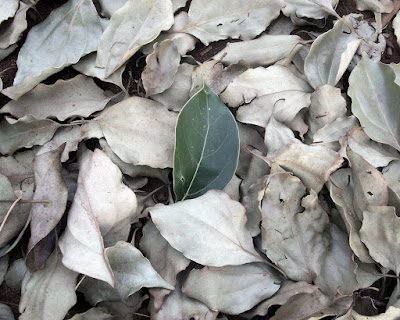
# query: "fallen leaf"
(8, 8)
(25, 133)
(68, 33)
(50, 186)
(212, 21)
(262, 51)
(140, 131)
(295, 239)
(264, 91)
(391, 313)
(333, 131)
(15, 274)
(374, 97)
(221, 289)
(6, 312)
(212, 216)
(3, 264)
(50, 292)
(206, 146)
(132, 26)
(102, 204)
(331, 53)
(109, 7)
(132, 272)
(391, 174)
(384, 6)
(18, 25)
(93, 314)
(161, 67)
(78, 96)
(315, 9)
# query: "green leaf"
(206, 146)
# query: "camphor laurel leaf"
(206, 146)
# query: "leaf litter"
(284, 195)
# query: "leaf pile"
(298, 220)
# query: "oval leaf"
(206, 146)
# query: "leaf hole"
(370, 193)
(369, 172)
(182, 179)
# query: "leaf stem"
(9, 210)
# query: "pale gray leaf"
(175, 97)
(214, 75)
(341, 188)
(4, 53)
(25, 133)
(15, 274)
(3, 264)
(375, 153)
(396, 27)
(331, 53)
(50, 186)
(263, 91)
(221, 289)
(68, 33)
(262, 51)
(8, 8)
(314, 9)
(93, 314)
(18, 25)
(135, 24)
(6, 312)
(78, 96)
(161, 67)
(370, 187)
(132, 272)
(327, 104)
(212, 216)
(379, 233)
(212, 21)
(87, 66)
(177, 4)
(333, 131)
(295, 239)
(392, 175)
(102, 203)
(313, 164)
(338, 272)
(378, 6)
(49, 292)
(140, 131)
(375, 98)
(392, 313)
(109, 7)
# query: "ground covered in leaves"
(173, 159)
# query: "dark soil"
(131, 76)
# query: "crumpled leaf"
(140, 131)
(178, 306)
(313, 164)
(262, 51)
(370, 187)
(25, 133)
(264, 91)
(214, 75)
(376, 154)
(381, 6)
(333, 131)
(327, 104)
(132, 272)
(109, 7)
(295, 239)
(161, 67)
(8, 8)
(45, 52)
(18, 25)
(78, 96)
(167, 261)
(212, 21)
(287, 290)
(50, 292)
(102, 206)
(379, 233)
(93, 314)
(136, 23)
(341, 188)
(221, 289)
(6, 312)
(392, 175)
(50, 186)
(315, 9)
(375, 98)
(87, 66)
(396, 27)
(314, 305)
(19, 171)
(331, 53)
(175, 97)
(124, 309)
(206, 146)
(212, 216)
(338, 272)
